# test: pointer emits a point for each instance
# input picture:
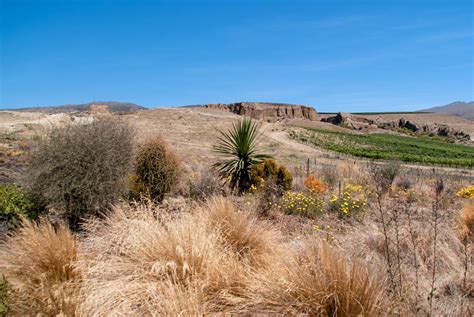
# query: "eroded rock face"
(355, 122)
(268, 111)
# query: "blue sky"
(333, 55)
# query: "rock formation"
(268, 111)
(355, 122)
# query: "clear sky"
(334, 55)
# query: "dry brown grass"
(140, 264)
(38, 263)
(467, 222)
(314, 279)
(217, 259)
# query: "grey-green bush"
(80, 169)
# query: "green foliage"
(81, 169)
(4, 307)
(157, 170)
(14, 204)
(388, 146)
(238, 152)
(268, 169)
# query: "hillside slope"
(459, 108)
(94, 107)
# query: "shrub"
(238, 150)
(301, 203)
(384, 174)
(467, 192)
(15, 204)
(267, 170)
(351, 202)
(157, 170)
(405, 183)
(38, 263)
(315, 185)
(330, 175)
(204, 185)
(81, 169)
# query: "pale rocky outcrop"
(268, 111)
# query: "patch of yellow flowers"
(302, 203)
(350, 202)
(467, 192)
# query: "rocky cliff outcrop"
(355, 122)
(268, 111)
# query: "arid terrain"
(338, 241)
(193, 131)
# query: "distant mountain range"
(94, 107)
(458, 108)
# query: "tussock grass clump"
(316, 280)
(38, 264)
(157, 170)
(467, 221)
(251, 239)
(142, 264)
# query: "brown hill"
(458, 108)
(91, 107)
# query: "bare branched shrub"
(405, 182)
(383, 175)
(157, 169)
(330, 175)
(80, 169)
(436, 209)
(205, 185)
(38, 263)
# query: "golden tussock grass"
(139, 260)
(314, 279)
(466, 222)
(38, 263)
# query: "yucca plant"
(238, 150)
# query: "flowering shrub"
(351, 202)
(467, 192)
(315, 185)
(301, 203)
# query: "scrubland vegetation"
(125, 228)
(387, 146)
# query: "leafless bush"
(204, 185)
(330, 175)
(383, 175)
(405, 182)
(80, 169)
